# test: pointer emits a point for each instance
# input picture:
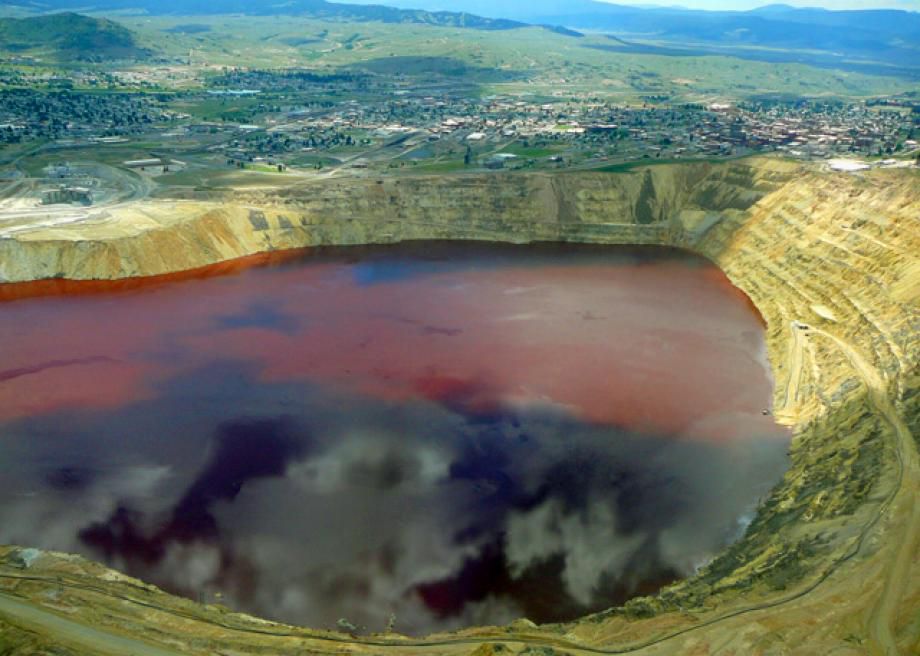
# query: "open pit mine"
(828, 563)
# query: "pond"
(433, 434)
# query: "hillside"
(69, 36)
(311, 8)
(876, 42)
(771, 33)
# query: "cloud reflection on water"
(448, 442)
(341, 505)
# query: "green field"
(623, 167)
(448, 166)
(211, 179)
(531, 61)
(531, 152)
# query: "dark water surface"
(449, 433)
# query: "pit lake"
(431, 435)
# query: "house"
(143, 163)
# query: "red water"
(453, 433)
(668, 348)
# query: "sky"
(913, 5)
(720, 5)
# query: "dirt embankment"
(832, 560)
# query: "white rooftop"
(848, 165)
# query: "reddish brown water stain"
(16, 291)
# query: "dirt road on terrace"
(885, 613)
(74, 633)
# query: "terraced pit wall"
(829, 259)
(658, 205)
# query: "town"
(302, 120)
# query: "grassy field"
(522, 61)
(219, 107)
(209, 179)
(448, 166)
(532, 152)
(622, 167)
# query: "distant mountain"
(69, 36)
(530, 11)
(591, 14)
(891, 21)
(874, 41)
(313, 8)
(886, 36)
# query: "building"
(144, 163)
(62, 170)
(67, 194)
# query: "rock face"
(659, 205)
(830, 260)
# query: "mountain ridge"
(70, 35)
(314, 8)
(879, 36)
